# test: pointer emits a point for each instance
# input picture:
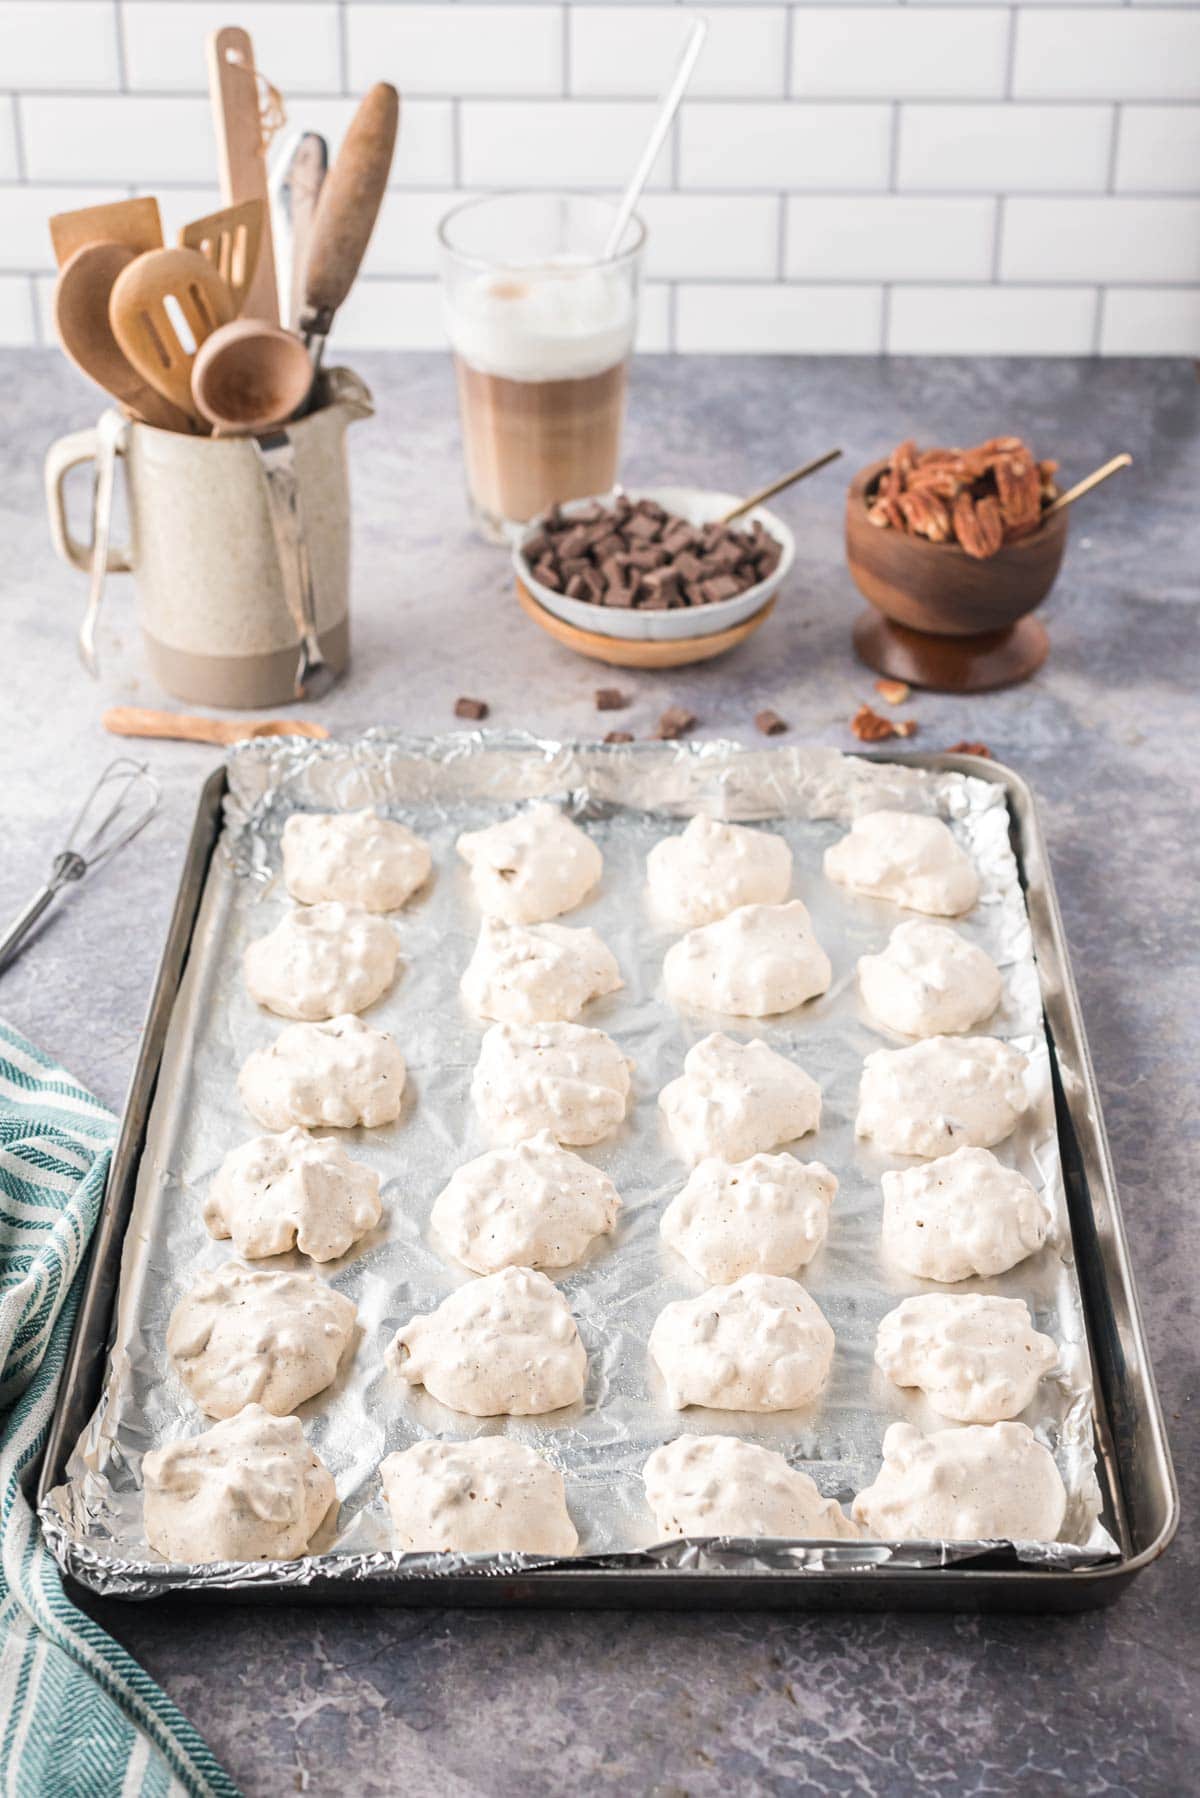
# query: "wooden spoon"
(163, 307)
(241, 152)
(134, 223)
(133, 721)
(250, 376)
(81, 299)
(231, 240)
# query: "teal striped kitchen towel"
(78, 1717)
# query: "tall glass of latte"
(542, 326)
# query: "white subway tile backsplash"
(1151, 321)
(405, 238)
(784, 146)
(616, 51)
(991, 321)
(398, 315)
(564, 143)
(59, 45)
(889, 238)
(9, 166)
(26, 211)
(898, 52)
(693, 236)
(297, 47)
(424, 148)
(1101, 240)
(735, 320)
(17, 323)
(1158, 149)
(457, 49)
(1124, 53)
(654, 319)
(1004, 148)
(117, 138)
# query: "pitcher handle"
(68, 453)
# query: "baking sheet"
(627, 797)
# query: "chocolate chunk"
(722, 586)
(572, 565)
(471, 708)
(618, 596)
(648, 556)
(610, 544)
(678, 537)
(619, 736)
(575, 587)
(769, 722)
(616, 572)
(549, 576)
(726, 556)
(687, 566)
(643, 528)
(611, 699)
(536, 548)
(574, 543)
(593, 586)
(675, 722)
(664, 584)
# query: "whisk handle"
(67, 867)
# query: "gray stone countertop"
(381, 1700)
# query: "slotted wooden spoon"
(81, 300)
(163, 307)
(230, 240)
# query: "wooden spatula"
(231, 240)
(241, 153)
(163, 307)
(81, 300)
(134, 223)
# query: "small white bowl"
(699, 505)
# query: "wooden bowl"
(624, 652)
(949, 621)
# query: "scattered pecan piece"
(769, 722)
(471, 708)
(967, 748)
(893, 692)
(906, 727)
(619, 736)
(869, 727)
(611, 699)
(676, 721)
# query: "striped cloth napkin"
(78, 1717)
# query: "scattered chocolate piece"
(642, 556)
(769, 722)
(676, 721)
(869, 727)
(893, 692)
(619, 736)
(611, 699)
(471, 708)
(965, 748)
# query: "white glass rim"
(621, 258)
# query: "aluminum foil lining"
(627, 798)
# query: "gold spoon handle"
(1089, 481)
(787, 480)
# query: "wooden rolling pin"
(133, 721)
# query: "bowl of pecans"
(955, 548)
(659, 566)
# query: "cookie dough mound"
(321, 961)
(963, 1215)
(766, 1215)
(532, 866)
(242, 1337)
(490, 1496)
(985, 1483)
(356, 858)
(502, 1346)
(760, 1344)
(734, 1099)
(564, 1078)
(976, 1357)
(534, 1205)
(912, 860)
(711, 868)
(337, 1074)
(929, 981)
(277, 1193)
(721, 1486)
(537, 973)
(760, 960)
(945, 1093)
(249, 1489)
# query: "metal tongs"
(121, 803)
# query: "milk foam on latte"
(562, 320)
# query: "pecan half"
(904, 458)
(926, 516)
(885, 513)
(869, 727)
(1018, 490)
(978, 525)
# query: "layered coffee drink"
(541, 350)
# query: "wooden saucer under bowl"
(627, 652)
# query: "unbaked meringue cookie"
(984, 1483)
(564, 1078)
(760, 960)
(248, 1489)
(765, 1215)
(734, 1099)
(533, 1205)
(929, 981)
(321, 961)
(275, 1193)
(489, 1496)
(241, 1336)
(976, 1357)
(760, 1344)
(945, 1093)
(963, 1215)
(908, 858)
(339, 1074)
(722, 1486)
(711, 868)
(505, 1345)
(357, 858)
(537, 973)
(532, 866)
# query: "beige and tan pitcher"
(212, 599)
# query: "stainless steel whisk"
(121, 803)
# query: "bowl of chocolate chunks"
(653, 566)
